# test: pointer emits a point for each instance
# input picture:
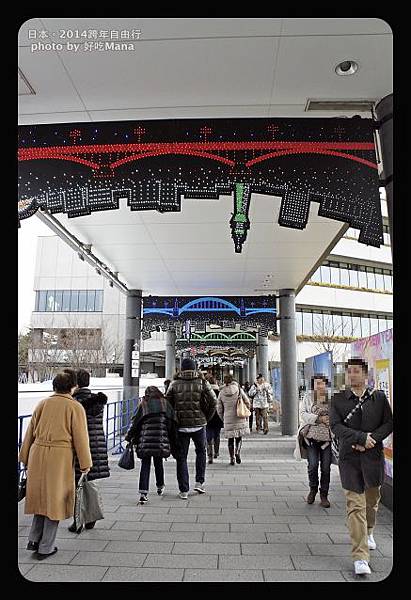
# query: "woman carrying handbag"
(56, 434)
(154, 433)
(233, 401)
(314, 438)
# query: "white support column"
(170, 354)
(288, 353)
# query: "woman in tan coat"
(57, 431)
(234, 426)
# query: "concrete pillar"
(288, 354)
(384, 112)
(263, 356)
(170, 353)
(253, 369)
(245, 371)
(131, 375)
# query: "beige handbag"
(242, 410)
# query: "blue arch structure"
(170, 312)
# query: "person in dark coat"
(153, 432)
(246, 388)
(93, 404)
(214, 426)
(194, 401)
(360, 429)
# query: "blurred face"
(320, 386)
(356, 376)
(260, 380)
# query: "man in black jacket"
(360, 429)
(194, 402)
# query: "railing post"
(120, 448)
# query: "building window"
(325, 274)
(374, 325)
(356, 326)
(316, 276)
(353, 275)
(82, 300)
(74, 301)
(99, 301)
(318, 324)
(362, 277)
(387, 280)
(365, 326)
(91, 294)
(41, 300)
(371, 284)
(50, 301)
(298, 323)
(345, 276)
(335, 275)
(66, 300)
(379, 279)
(348, 324)
(69, 301)
(58, 300)
(382, 324)
(307, 323)
(337, 325)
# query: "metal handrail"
(120, 420)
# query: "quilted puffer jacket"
(153, 429)
(93, 404)
(192, 398)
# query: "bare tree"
(44, 356)
(334, 338)
(73, 345)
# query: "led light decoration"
(81, 168)
(175, 312)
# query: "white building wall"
(328, 297)
(353, 249)
(59, 268)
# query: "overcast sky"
(28, 233)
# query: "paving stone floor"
(252, 525)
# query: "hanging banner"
(377, 351)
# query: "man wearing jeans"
(194, 402)
(361, 418)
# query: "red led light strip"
(312, 151)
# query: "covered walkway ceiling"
(211, 68)
(192, 253)
(203, 68)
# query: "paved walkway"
(251, 525)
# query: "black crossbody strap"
(356, 407)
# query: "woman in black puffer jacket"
(93, 404)
(154, 433)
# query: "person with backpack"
(153, 433)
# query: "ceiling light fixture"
(346, 67)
